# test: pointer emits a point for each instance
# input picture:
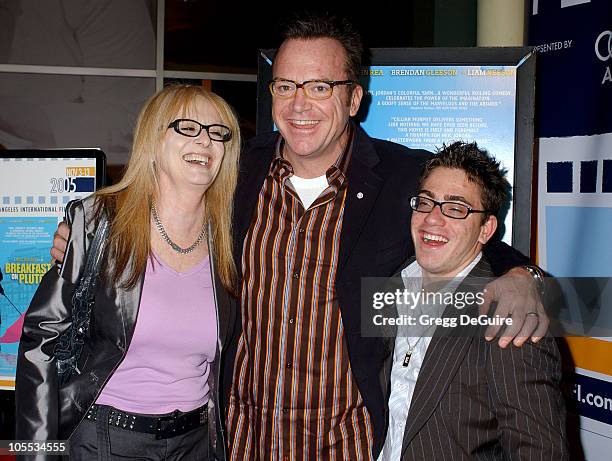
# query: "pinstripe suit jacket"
(476, 401)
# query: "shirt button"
(296, 275)
(291, 320)
(301, 230)
(285, 410)
(289, 364)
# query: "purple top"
(168, 360)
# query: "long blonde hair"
(128, 203)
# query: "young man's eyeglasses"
(449, 209)
(192, 129)
(314, 89)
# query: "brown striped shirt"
(294, 395)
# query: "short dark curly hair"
(313, 26)
(480, 168)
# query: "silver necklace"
(173, 245)
(411, 348)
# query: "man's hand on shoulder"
(60, 241)
(517, 296)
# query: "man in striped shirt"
(318, 206)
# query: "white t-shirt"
(309, 189)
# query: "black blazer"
(375, 240)
(474, 400)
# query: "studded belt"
(163, 427)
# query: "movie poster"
(33, 196)
(425, 106)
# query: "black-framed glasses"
(314, 89)
(453, 210)
(192, 129)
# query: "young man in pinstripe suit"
(454, 396)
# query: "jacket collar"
(363, 188)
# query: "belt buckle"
(166, 426)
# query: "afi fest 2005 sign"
(35, 187)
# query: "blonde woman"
(147, 381)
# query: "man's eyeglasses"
(450, 209)
(314, 89)
(192, 129)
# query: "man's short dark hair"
(310, 27)
(480, 168)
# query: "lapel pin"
(359, 195)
